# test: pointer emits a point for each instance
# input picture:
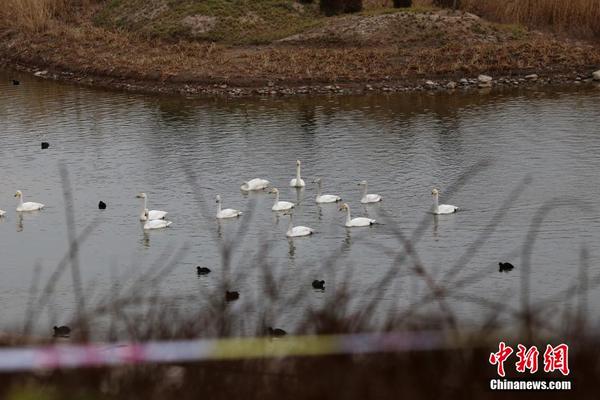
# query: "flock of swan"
(156, 219)
(258, 184)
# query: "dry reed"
(574, 16)
(33, 15)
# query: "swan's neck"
(319, 189)
(276, 197)
(144, 204)
(436, 205)
(348, 217)
(290, 224)
(364, 190)
(219, 208)
(20, 200)
(297, 174)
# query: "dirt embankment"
(380, 49)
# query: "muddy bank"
(291, 88)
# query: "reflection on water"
(118, 144)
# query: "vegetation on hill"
(263, 21)
(239, 21)
(580, 17)
(253, 42)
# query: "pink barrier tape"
(97, 355)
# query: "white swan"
(156, 224)
(226, 213)
(28, 206)
(280, 205)
(355, 222)
(441, 208)
(2, 213)
(297, 182)
(325, 198)
(297, 231)
(255, 184)
(367, 197)
(149, 215)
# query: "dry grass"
(580, 17)
(32, 15)
(404, 46)
(420, 49)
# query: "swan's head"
(435, 192)
(218, 198)
(274, 190)
(141, 195)
(18, 194)
(344, 207)
(362, 183)
(317, 180)
(298, 162)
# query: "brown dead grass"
(96, 52)
(404, 47)
(32, 15)
(581, 17)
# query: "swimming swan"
(297, 231)
(441, 208)
(149, 215)
(325, 198)
(368, 198)
(28, 206)
(226, 213)
(2, 213)
(355, 222)
(255, 184)
(156, 224)
(297, 182)
(280, 205)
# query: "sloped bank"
(388, 52)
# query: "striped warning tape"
(96, 355)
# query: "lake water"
(115, 145)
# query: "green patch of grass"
(380, 11)
(234, 21)
(420, 9)
(479, 29)
(517, 31)
(31, 392)
(391, 10)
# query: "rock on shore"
(484, 81)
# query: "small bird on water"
(318, 284)
(203, 270)
(62, 331)
(102, 205)
(505, 267)
(231, 296)
(276, 332)
(16, 82)
(45, 145)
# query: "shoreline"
(394, 52)
(232, 89)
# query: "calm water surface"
(115, 145)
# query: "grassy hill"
(230, 21)
(193, 46)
